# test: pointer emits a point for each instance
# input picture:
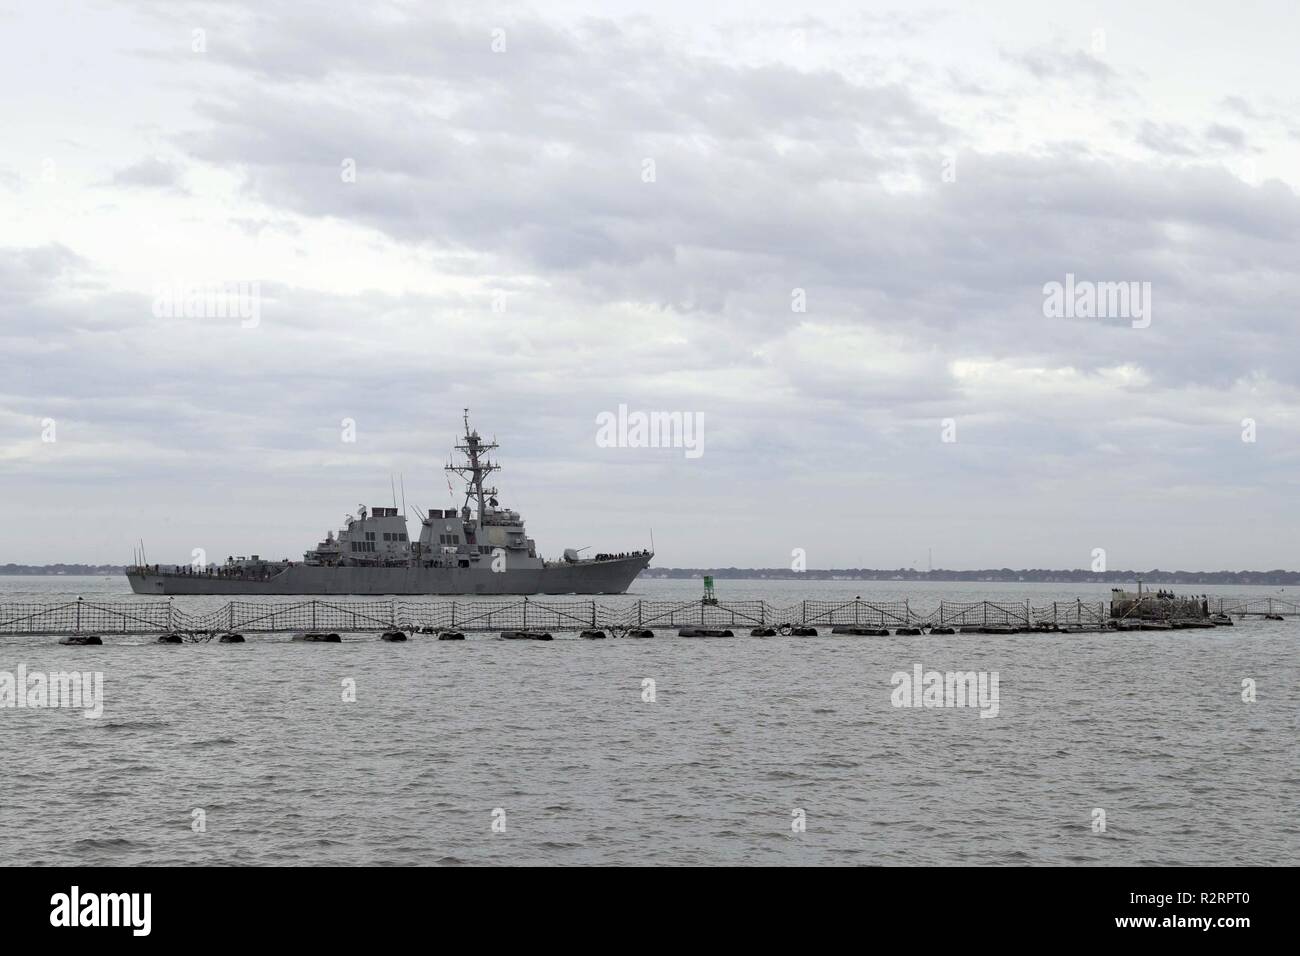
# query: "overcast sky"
(920, 173)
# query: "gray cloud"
(1060, 63)
(1225, 135)
(522, 173)
(150, 172)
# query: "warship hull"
(608, 576)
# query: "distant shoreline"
(986, 575)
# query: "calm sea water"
(557, 741)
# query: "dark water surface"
(1149, 727)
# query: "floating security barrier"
(231, 639)
(592, 635)
(907, 631)
(525, 636)
(393, 637)
(317, 637)
(82, 640)
(802, 631)
(703, 632)
(860, 631)
(448, 635)
(170, 639)
(640, 632)
(763, 632)
(942, 629)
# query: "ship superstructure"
(479, 548)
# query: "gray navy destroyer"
(483, 550)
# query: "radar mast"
(477, 466)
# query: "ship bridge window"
(370, 536)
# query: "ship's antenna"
(403, 496)
(393, 485)
(477, 467)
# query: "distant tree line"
(62, 569)
(1034, 575)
